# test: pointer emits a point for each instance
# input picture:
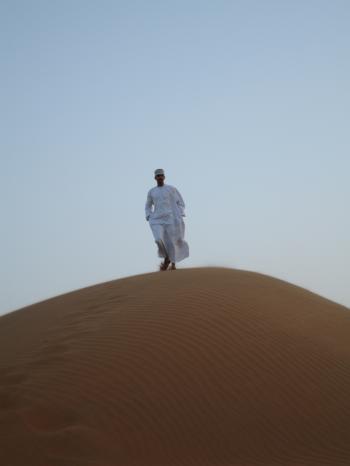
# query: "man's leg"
(165, 264)
(158, 234)
(162, 252)
(173, 266)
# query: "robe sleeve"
(180, 202)
(148, 206)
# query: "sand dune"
(195, 367)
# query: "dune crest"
(195, 367)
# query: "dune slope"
(194, 367)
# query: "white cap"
(159, 171)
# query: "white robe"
(165, 211)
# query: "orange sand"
(195, 367)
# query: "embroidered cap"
(159, 171)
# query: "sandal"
(164, 265)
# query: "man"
(165, 212)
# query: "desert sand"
(194, 367)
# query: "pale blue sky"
(245, 104)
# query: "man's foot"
(165, 264)
(173, 267)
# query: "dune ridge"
(205, 366)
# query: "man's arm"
(180, 202)
(148, 206)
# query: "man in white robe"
(165, 212)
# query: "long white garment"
(165, 211)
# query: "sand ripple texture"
(195, 367)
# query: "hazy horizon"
(244, 104)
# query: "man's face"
(160, 179)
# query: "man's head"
(159, 176)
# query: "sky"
(245, 104)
